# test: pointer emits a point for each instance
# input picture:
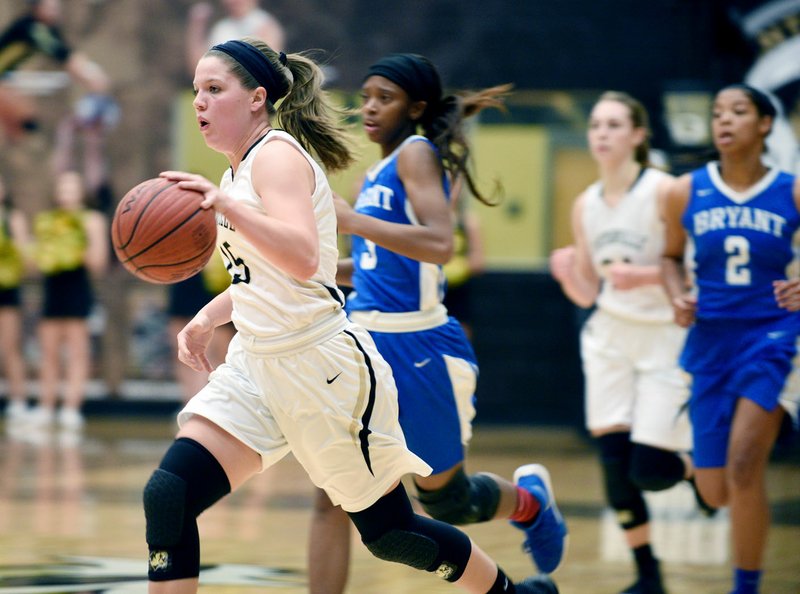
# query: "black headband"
(415, 74)
(257, 64)
(760, 99)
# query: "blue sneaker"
(546, 536)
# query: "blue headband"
(257, 65)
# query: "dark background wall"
(558, 44)
(525, 338)
(525, 329)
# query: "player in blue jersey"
(741, 217)
(402, 234)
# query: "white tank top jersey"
(247, 26)
(632, 232)
(267, 302)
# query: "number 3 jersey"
(383, 280)
(743, 241)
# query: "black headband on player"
(760, 99)
(257, 65)
(413, 73)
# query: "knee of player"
(655, 469)
(463, 500)
(744, 470)
(714, 495)
(164, 501)
(392, 532)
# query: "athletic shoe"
(70, 418)
(705, 509)
(540, 584)
(646, 585)
(40, 416)
(546, 535)
(16, 410)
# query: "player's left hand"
(193, 341)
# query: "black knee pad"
(188, 481)
(463, 500)
(622, 493)
(654, 469)
(393, 532)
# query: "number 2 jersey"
(742, 242)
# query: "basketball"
(161, 234)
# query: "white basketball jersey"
(630, 232)
(267, 302)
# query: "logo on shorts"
(422, 363)
(333, 379)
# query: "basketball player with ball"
(299, 376)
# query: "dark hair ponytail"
(443, 124)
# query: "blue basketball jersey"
(383, 280)
(742, 243)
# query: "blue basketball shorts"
(732, 359)
(436, 374)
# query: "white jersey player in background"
(635, 390)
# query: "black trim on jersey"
(363, 435)
(639, 176)
(335, 294)
(252, 146)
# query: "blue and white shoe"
(546, 536)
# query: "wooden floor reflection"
(71, 520)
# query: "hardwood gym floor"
(71, 520)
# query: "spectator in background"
(244, 18)
(71, 246)
(13, 240)
(635, 390)
(38, 31)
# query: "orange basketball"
(160, 233)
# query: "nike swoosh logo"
(422, 363)
(333, 379)
(705, 192)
